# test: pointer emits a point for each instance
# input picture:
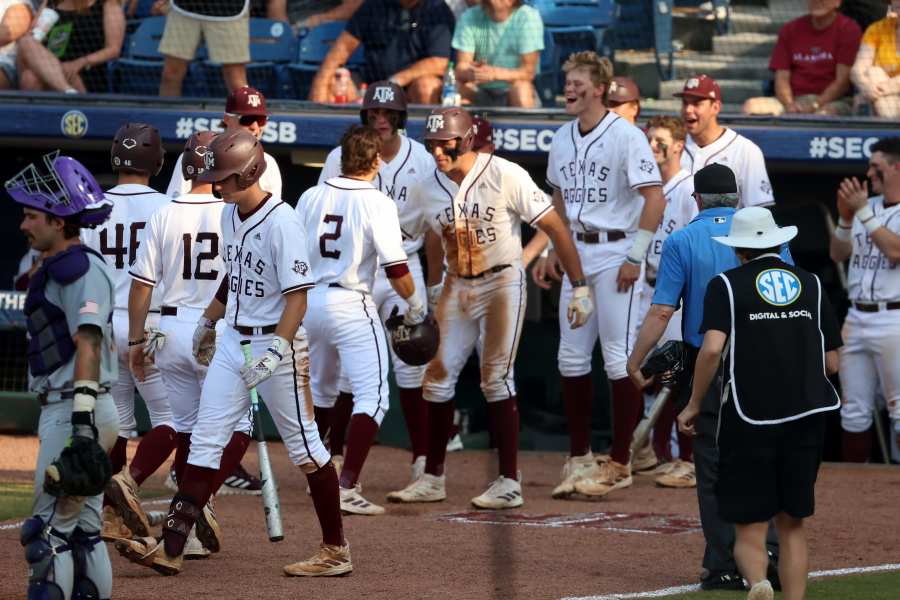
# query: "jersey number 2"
(212, 253)
(338, 220)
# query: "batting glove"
(416, 312)
(434, 295)
(204, 345)
(262, 368)
(155, 340)
(580, 306)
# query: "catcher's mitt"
(667, 361)
(417, 344)
(82, 469)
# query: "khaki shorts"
(228, 42)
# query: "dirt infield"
(639, 539)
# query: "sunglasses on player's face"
(248, 120)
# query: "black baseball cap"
(715, 179)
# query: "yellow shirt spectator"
(882, 37)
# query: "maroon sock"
(154, 449)
(118, 454)
(685, 447)
(415, 411)
(231, 457)
(197, 484)
(194, 488)
(578, 397)
(505, 417)
(662, 433)
(627, 403)
(182, 449)
(856, 447)
(326, 497)
(363, 430)
(440, 420)
(323, 421)
(340, 419)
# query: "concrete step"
(754, 20)
(745, 44)
(734, 91)
(692, 63)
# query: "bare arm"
(113, 33)
(434, 258)
(865, 58)
(433, 65)
(705, 369)
(651, 215)
(16, 23)
(888, 242)
(654, 206)
(534, 247)
(342, 12)
(138, 306)
(403, 285)
(524, 72)
(832, 362)
(292, 315)
(556, 230)
(839, 250)
(463, 70)
(87, 353)
(651, 332)
(343, 47)
(838, 88)
(783, 88)
(215, 310)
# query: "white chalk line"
(683, 589)
(17, 524)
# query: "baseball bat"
(271, 505)
(642, 431)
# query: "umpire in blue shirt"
(779, 335)
(690, 259)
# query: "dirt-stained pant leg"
(501, 315)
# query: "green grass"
(878, 586)
(15, 500)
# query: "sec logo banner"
(778, 287)
(74, 124)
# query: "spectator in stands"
(306, 14)
(15, 21)
(225, 27)
(876, 71)
(405, 41)
(88, 34)
(812, 61)
(624, 98)
(498, 49)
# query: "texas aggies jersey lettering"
(269, 182)
(265, 258)
(741, 156)
(120, 237)
(353, 229)
(599, 174)
(395, 178)
(872, 277)
(181, 253)
(681, 208)
(480, 220)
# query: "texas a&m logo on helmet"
(435, 123)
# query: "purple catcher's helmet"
(64, 189)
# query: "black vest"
(775, 361)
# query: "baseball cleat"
(417, 469)
(149, 552)
(611, 476)
(644, 459)
(682, 475)
(208, 531)
(575, 468)
(240, 482)
(455, 444)
(122, 491)
(329, 561)
(114, 527)
(193, 549)
(502, 493)
(428, 488)
(761, 591)
(352, 502)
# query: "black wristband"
(83, 418)
(82, 389)
(579, 283)
(136, 342)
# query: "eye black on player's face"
(878, 166)
(580, 91)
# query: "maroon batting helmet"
(387, 95)
(192, 158)
(623, 89)
(484, 132)
(137, 147)
(236, 152)
(451, 123)
(414, 344)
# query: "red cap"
(701, 86)
(484, 132)
(246, 101)
(621, 90)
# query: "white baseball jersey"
(741, 156)
(872, 277)
(599, 173)
(681, 208)
(480, 220)
(119, 238)
(269, 182)
(181, 253)
(353, 228)
(395, 178)
(265, 258)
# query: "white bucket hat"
(754, 227)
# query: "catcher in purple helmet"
(71, 364)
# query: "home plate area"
(643, 523)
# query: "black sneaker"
(241, 482)
(772, 571)
(723, 581)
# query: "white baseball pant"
(490, 309)
(346, 335)
(673, 329)
(152, 390)
(225, 402)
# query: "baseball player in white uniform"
(708, 142)
(136, 155)
(267, 275)
(354, 229)
(477, 202)
(245, 108)
(868, 233)
(604, 177)
(403, 162)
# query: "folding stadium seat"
(139, 69)
(313, 48)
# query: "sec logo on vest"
(778, 287)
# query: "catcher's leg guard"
(183, 513)
(39, 552)
(82, 544)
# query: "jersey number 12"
(211, 254)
